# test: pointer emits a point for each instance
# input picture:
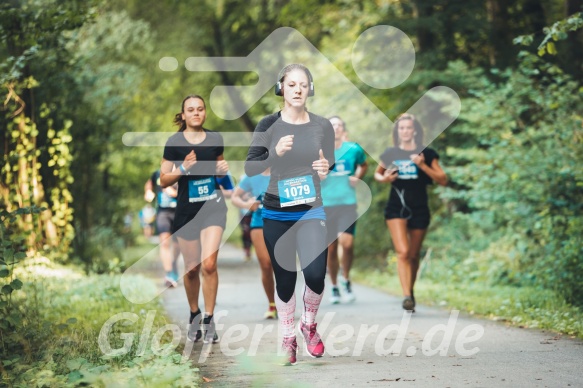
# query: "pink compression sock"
(285, 313)
(311, 305)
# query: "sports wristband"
(182, 169)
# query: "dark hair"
(343, 123)
(178, 117)
(416, 124)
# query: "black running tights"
(308, 238)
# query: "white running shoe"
(348, 294)
(170, 282)
(335, 298)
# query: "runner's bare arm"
(237, 200)
(167, 176)
(222, 166)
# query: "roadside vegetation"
(75, 76)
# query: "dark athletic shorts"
(418, 217)
(340, 219)
(164, 220)
(189, 226)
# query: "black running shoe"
(409, 304)
(194, 331)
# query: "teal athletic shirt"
(336, 188)
(256, 186)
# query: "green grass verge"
(62, 312)
(519, 306)
(142, 249)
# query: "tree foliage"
(522, 173)
(77, 75)
(558, 31)
(35, 130)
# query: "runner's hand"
(418, 159)
(321, 165)
(391, 175)
(189, 161)
(222, 167)
(353, 180)
(149, 196)
(171, 191)
(254, 205)
(284, 144)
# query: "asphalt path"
(370, 342)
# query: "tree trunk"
(23, 178)
(235, 99)
(573, 6)
(500, 49)
(423, 10)
(28, 188)
(535, 14)
(573, 62)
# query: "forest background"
(75, 76)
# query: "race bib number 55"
(201, 190)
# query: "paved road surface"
(370, 343)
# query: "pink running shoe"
(290, 346)
(314, 344)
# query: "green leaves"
(524, 40)
(558, 31)
(548, 47)
(16, 284)
(12, 252)
(524, 176)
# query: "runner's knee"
(314, 282)
(413, 256)
(402, 254)
(265, 266)
(209, 267)
(193, 273)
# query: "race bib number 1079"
(296, 191)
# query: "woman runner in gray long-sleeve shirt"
(299, 148)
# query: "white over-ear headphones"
(278, 86)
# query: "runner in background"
(147, 216)
(409, 167)
(245, 226)
(249, 196)
(339, 197)
(165, 212)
